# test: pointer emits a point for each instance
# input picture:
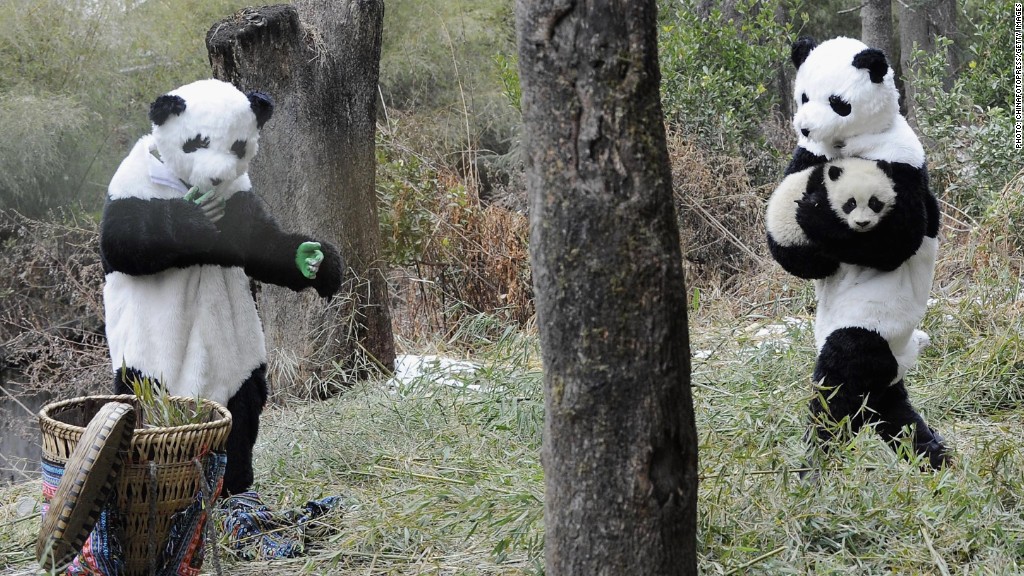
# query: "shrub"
(456, 256)
(967, 123)
(723, 79)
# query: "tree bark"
(876, 26)
(319, 60)
(620, 445)
(920, 23)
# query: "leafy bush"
(459, 257)
(967, 123)
(722, 78)
(408, 192)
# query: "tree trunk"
(920, 23)
(620, 445)
(876, 26)
(319, 60)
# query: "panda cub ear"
(885, 167)
(162, 108)
(873, 60)
(801, 48)
(262, 106)
(834, 172)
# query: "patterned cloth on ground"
(258, 533)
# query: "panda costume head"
(207, 132)
(847, 104)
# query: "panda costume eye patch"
(840, 106)
(239, 148)
(195, 143)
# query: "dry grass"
(51, 321)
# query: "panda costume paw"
(182, 234)
(854, 214)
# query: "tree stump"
(319, 60)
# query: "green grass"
(438, 478)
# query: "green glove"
(212, 206)
(308, 258)
(192, 194)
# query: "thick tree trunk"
(876, 26)
(920, 23)
(620, 446)
(319, 60)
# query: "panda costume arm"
(788, 243)
(268, 254)
(146, 236)
(802, 160)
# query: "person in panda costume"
(855, 214)
(182, 232)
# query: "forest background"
(448, 478)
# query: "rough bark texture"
(319, 60)
(620, 446)
(920, 23)
(876, 26)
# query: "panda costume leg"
(891, 408)
(854, 371)
(853, 363)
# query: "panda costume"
(182, 233)
(855, 214)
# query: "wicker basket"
(172, 449)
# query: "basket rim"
(222, 412)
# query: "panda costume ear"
(801, 48)
(162, 108)
(872, 60)
(262, 106)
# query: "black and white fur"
(847, 105)
(865, 232)
(871, 285)
(177, 298)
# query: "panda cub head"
(842, 89)
(859, 192)
(207, 132)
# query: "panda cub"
(871, 214)
(862, 236)
(181, 235)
